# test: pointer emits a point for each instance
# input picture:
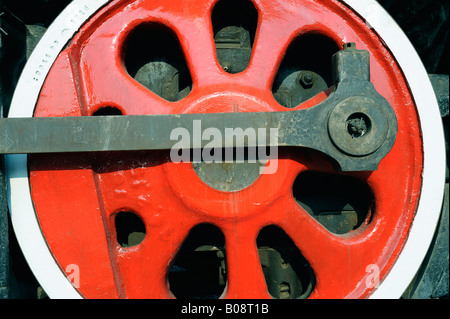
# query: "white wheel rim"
(430, 202)
(26, 225)
(23, 217)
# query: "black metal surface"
(426, 23)
(287, 273)
(440, 84)
(324, 127)
(4, 243)
(339, 202)
(306, 69)
(298, 87)
(234, 26)
(199, 269)
(432, 280)
(154, 58)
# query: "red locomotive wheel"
(85, 202)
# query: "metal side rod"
(354, 126)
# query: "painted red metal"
(77, 196)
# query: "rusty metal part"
(323, 127)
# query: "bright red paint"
(77, 196)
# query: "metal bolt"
(226, 66)
(307, 79)
(357, 125)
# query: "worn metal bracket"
(355, 125)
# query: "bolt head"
(226, 66)
(307, 79)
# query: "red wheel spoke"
(337, 260)
(143, 269)
(119, 91)
(245, 276)
(196, 39)
(273, 36)
(101, 56)
(99, 69)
